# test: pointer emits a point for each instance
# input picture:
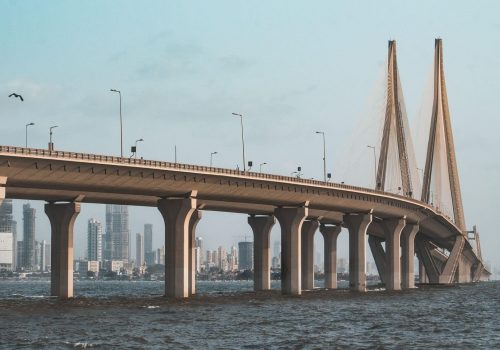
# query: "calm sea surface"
(228, 315)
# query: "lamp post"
(121, 121)
(51, 145)
(211, 157)
(260, 166)
(134, 149)
(374, 163)
(324, 154)
(242, 140)
(27, 125)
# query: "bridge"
(398, 225)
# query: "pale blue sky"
(290, 67)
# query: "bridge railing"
(200, 168)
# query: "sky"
(290, 67)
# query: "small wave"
(151, 307)
(20, 296)
(80, 345)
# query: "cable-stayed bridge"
(398, 225)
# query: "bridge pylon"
(395, 124)
(441, 148)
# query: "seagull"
(16, 95)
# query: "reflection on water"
(134, 315)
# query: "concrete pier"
(408, 255)
(379, 256)
(330, 234)
(393, 229)
(62, 218)
(290, 220)
(309, 228)
(261, 227)
(177, 214)
(357, 224)
(464, 271)
(193, 222)
(3, 182)
(422, 275)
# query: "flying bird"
(16, 95)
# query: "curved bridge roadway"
(180, 191)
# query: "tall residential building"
(197, 253)
(117, 233)
(20, 254)
(6, 218)
(160, 255)
(277, 249)
(221, 258)
(6, 251)
(29, 215)
(9, 225)
(45, 255)
(139, 250)
(94, 240)
(245, 255)
(201, 244)
(148, 238)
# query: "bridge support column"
(430, 269)
(193, 222)
(379, 256)
(62, 218)
(407, 255)
(177, 213)
(477, 271)
(261, 227)
(291, 220)
(330, 235)
(307, 249)
(357, 224)
(448, 272)
(393, 228)
(464, 271)
(3, 182)
(422, 275)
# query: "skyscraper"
(6, 216)
(245, 255)
(221, 258)
(45, 256)
(200, 244)
(29, 214)
(148, 238)
(117, 233)
(277, 249)
(139, 250)
(94, 240)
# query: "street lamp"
(134, 148)
(374, 163)
(29, 124)
(51, 145)
(121, 121)
(242, 140)
(211, 158)
(324, 154)
(260, 166)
